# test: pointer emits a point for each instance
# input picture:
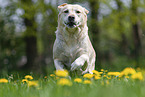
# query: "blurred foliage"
(113, 39)
(11, 45)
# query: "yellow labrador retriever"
(72, 49)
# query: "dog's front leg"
(79, 62)
(58, 64)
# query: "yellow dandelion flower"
(64, 81)
(56, 78)
(106, 70)
(88, 75)
(95, 72)
(28, 77)
(104, 75)
(126, 76)
(102, 70)
(87, 82)
(3, 80)
(128, 71)
(78, 80)
(61, 73)
(24, 80)
(114, 73)
(137, 76)
(52, 75)
(108, 77)
(32, 83)
(45, 76)
(97, 77)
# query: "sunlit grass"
(126, 83)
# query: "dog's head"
(72, 16)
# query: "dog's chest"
(73, 48)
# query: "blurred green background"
(27, 33)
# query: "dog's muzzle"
(71, 18)
(71, 22)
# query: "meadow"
(126, 83)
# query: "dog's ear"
(61, 6)
(86, 11)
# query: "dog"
(72, 48)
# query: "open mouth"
(71, 24)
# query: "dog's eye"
(78, 11)
(66, 11)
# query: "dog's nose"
(71, 18)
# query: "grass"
(50, 87)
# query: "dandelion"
(56, 78)
(64, 82)
(28, 77)
(102, 70)
(87, 82)
(95, 72)
(137, 76)
(104, 75)
(61, 73)
(108, 77)
(88, 75)
(32, 83)
(128, 71)
(126, 76)
(97, 77)
(45, 76)
(3, 80)
(114, 73)
(78, 80)
(24, 80)
(52, 75)
(106, 70)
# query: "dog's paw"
(77, 64)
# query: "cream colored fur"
(72, 48)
